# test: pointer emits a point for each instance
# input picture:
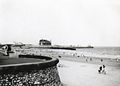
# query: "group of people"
(102, 70)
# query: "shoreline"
(92, 60)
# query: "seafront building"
(45, 42)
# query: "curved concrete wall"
(34, 74)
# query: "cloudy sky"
(66, 22)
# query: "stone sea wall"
(39, 74)
(44, 77)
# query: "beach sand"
(74, 73)
(92, 60)
(82, 70)
(73, 56)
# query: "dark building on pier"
(44, 42)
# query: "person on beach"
(90, 59)
(103, 70)
(83, 55)
(101, 60)
(86, 60)
(100, 70)
(59, 56)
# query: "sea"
(101, 52)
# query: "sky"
(64, 22)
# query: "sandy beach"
(82, 70)
(74, 73)
(93, 60)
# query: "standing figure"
(90, 59)
(101, 60)
(103, 71)
(100, 70)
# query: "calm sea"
(108, 52)
(102, 52)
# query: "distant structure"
(44, 42)
(5, 49)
